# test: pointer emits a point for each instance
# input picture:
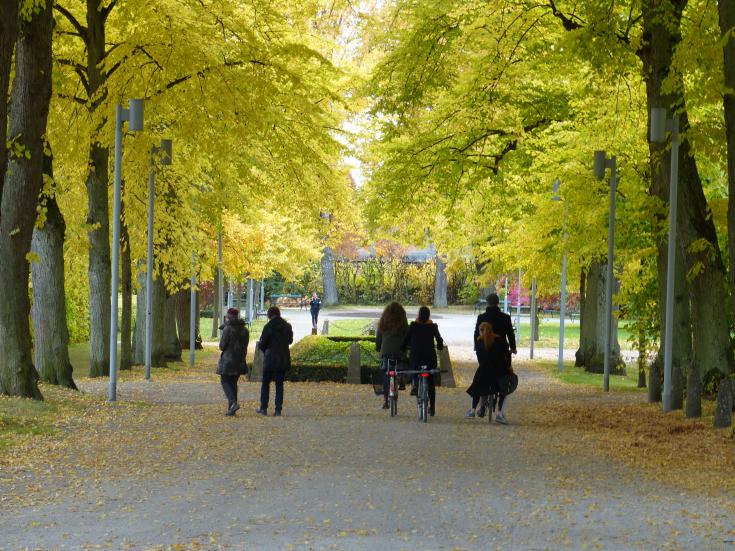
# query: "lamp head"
(135, 119)
(600, 162)
(658, 124)
(166, 151)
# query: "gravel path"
(336, 472)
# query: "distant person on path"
(389, 337)
(234, 346)
(315, 305)
(420, 338)
(277, 335)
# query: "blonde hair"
(487, 336)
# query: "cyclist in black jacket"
(501, 323)
(420, 339)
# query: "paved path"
(165, 469)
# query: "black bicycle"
(422, 391)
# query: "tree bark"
(126, 281)
(99, 264)
(8, 36)
(711, 338)
(655, 378)
(440, 284)
(98, 217)
(139, 326)
(23, 181)
(48, 311)
(158, 346)
(589, 290)
(591, 351)
(182, 301)
(727, 23)
(329, 281)
(172, 345)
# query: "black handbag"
(507, 384)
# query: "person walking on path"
(234, 346)
(389, 336)
(491, 358)
(420, 339)
(502, 327)
(314, 306)
(274, 341)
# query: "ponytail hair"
(487, 336)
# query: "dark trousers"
(229, 385)
(314, 316)
(268, 376)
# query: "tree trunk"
(99, 264)
(591, 353)
(589, 291)
(440, 284)
(23, 181)
(159, 346)
(51, 333)
(182, 302)
(139, 327)
(197, 323)
(8, 35)
(727, 23)
(98, 215)
(171, 339)
(711, 338)
(656, 378)
(329, 281)
(126, 351)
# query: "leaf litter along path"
(164, 469)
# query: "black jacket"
(274, 340)
(493, 366)
(234, 347)
(502, 326)
(315, 304)
(420, 339)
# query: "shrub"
(321, 358)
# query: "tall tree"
(22, 184)
(50, 330)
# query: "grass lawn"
(578, 376)
(549, 334)
(349, 327)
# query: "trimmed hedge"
(327, 373)
(341, 338)
(324, 358)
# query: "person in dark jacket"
(234, 347)
(314, 306)
(389, 337)
(501, 323)
(274, 341)
(420, 339)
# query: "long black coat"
(420, 339)
(234, 347)
(502, 326)
(274, 340)
(493, 365)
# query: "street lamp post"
(660, 124)
(505, 298)
(532, 317)
(563, 299)
(134, 116)
(602, 163)
(192, 311)
(165, 151)
(518, 307)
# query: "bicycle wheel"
(393, 396)
(422, 396)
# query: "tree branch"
(81, 29)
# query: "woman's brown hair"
(487, 336)
(393, 318)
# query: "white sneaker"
(500, 418)
(469, 415)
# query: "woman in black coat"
(234, 347)
(420, 339)
(493, 357)
(274, 341)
